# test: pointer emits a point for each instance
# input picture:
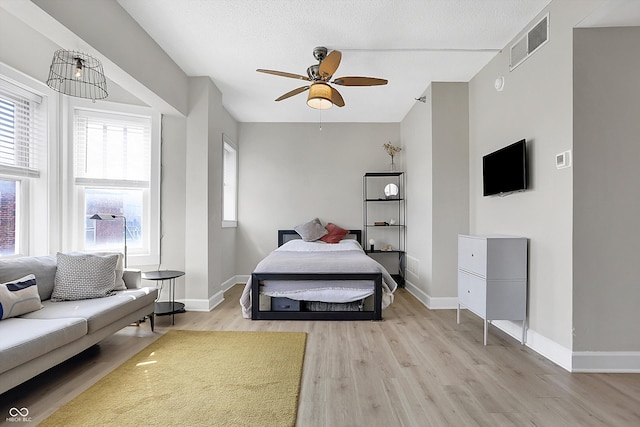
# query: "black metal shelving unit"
(384, 220)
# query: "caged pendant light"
(77, 74)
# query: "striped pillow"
(19, 297)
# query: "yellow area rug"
(197, 378)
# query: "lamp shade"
(77, 74)
(319, 96)
(101, 216)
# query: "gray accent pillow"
(311, 231)
(84, 276)
(120, 285)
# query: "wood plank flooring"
(415, 368)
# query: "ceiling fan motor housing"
(320, 53)
(313, 72)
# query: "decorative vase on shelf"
(392, 166)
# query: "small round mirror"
(391, 190)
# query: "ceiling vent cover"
(533, 39)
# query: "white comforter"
(298, 256)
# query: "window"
(229, 183)
(115, 162)
(22, 148)
(9, 205)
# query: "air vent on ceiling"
(531, 41)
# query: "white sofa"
(34, 342)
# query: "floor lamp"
(108, 217)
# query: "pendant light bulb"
(78, 72)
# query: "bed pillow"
(19, 297)
(84, 276)
(311, 231)
(334, 233)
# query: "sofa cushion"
(84, 276)
(22, 339)
(98, 312)
(43, 267)
(19, 296)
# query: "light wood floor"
(415, 368)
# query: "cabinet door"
(472, 255)
(506, 299)
(472, 291)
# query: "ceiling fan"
(321, 94)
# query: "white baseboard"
(432, 303)
(204, 304)
(216, 299)
(229, 283)
(242, 278)
(542, 345)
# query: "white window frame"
(37, 218)
(229, 190)
(75, 205)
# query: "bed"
(317, 281)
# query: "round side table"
(172, 307)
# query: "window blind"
(22, 131)
(111, 149)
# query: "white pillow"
(19, 297)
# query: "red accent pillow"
(335, 233)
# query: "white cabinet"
(492, 278)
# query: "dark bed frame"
(256, 278)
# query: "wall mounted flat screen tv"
(505, 170)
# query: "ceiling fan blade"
(283, 74)
(336, 98)
(293, 92)
(359, 81)
(330, 64)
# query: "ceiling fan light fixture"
(319, 96)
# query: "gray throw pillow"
(311, 231)
(120, 285)
(84, 276)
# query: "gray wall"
(606, 186)
(417, 140)
(536, 104)
(450, 104)
(293, 172)
(436, 139)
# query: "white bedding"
(298, 256)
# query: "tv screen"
(505, 170)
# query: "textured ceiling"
(408, 42)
